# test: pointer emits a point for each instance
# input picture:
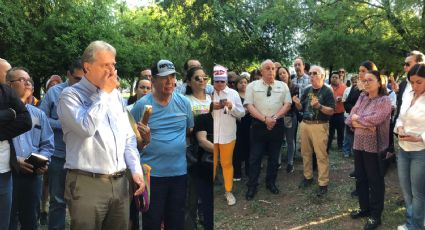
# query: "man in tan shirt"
(267, 101)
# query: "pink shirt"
(373, 113)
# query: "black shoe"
(322, 191)
(356, 214)
(372, 223)
(352, 175)
(305, 183)
(250, 193)
(272, 188)
(43, 218)
(354, 193)
(290, 168)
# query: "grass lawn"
(296, 208)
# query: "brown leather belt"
(115, 175)
(314, 122)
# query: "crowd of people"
(97, 144)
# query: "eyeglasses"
(222, 82)
(341, 71)
(23, 80)
(314, 73)
(198, 78)
(407, 64)
(269, 91)
(366, 82)
(145, 87)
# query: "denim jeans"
(347, 144)
(26, 201)
(57, 208)
(290, 140)
(168, 198)
(411, 173)
(6, 188)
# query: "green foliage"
(46, 35)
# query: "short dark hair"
(369, 65)
(11, 72)
(417, 70)
(75, 65)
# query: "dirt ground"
(296, 208)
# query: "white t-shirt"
(199, 106)
(4, 156)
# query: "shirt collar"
(87, 84)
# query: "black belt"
(115, 175)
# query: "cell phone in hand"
(223, 101)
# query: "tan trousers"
(97, 203)
(314, 138)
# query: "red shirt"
(338, 92)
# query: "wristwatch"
(274, 117)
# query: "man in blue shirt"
(56, 172)
(169, 123)
(27, 182)
(100, 145)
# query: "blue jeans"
(291, 140)
(57, 206)
(6, 188)
(411, 173)
(347, 144)
(26, 201)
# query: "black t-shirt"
(325, 97)
(204, 122)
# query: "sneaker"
(231, 200)
(322, 191)
(352, 175)
(402, 227)
(237, 179)
(305, 183)
(290, 168)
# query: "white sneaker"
(231, 200)
(402, 227)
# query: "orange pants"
(226, 156)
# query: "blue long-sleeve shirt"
(39, 139)
(49, 106)
(97, 131)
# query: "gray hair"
(321, 70)
(265, 62)
(93, 47)
(11, 72)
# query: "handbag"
(143, 200)
(192, 153)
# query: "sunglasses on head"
(198, 78)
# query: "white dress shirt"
(411, 118)
(225, 123)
